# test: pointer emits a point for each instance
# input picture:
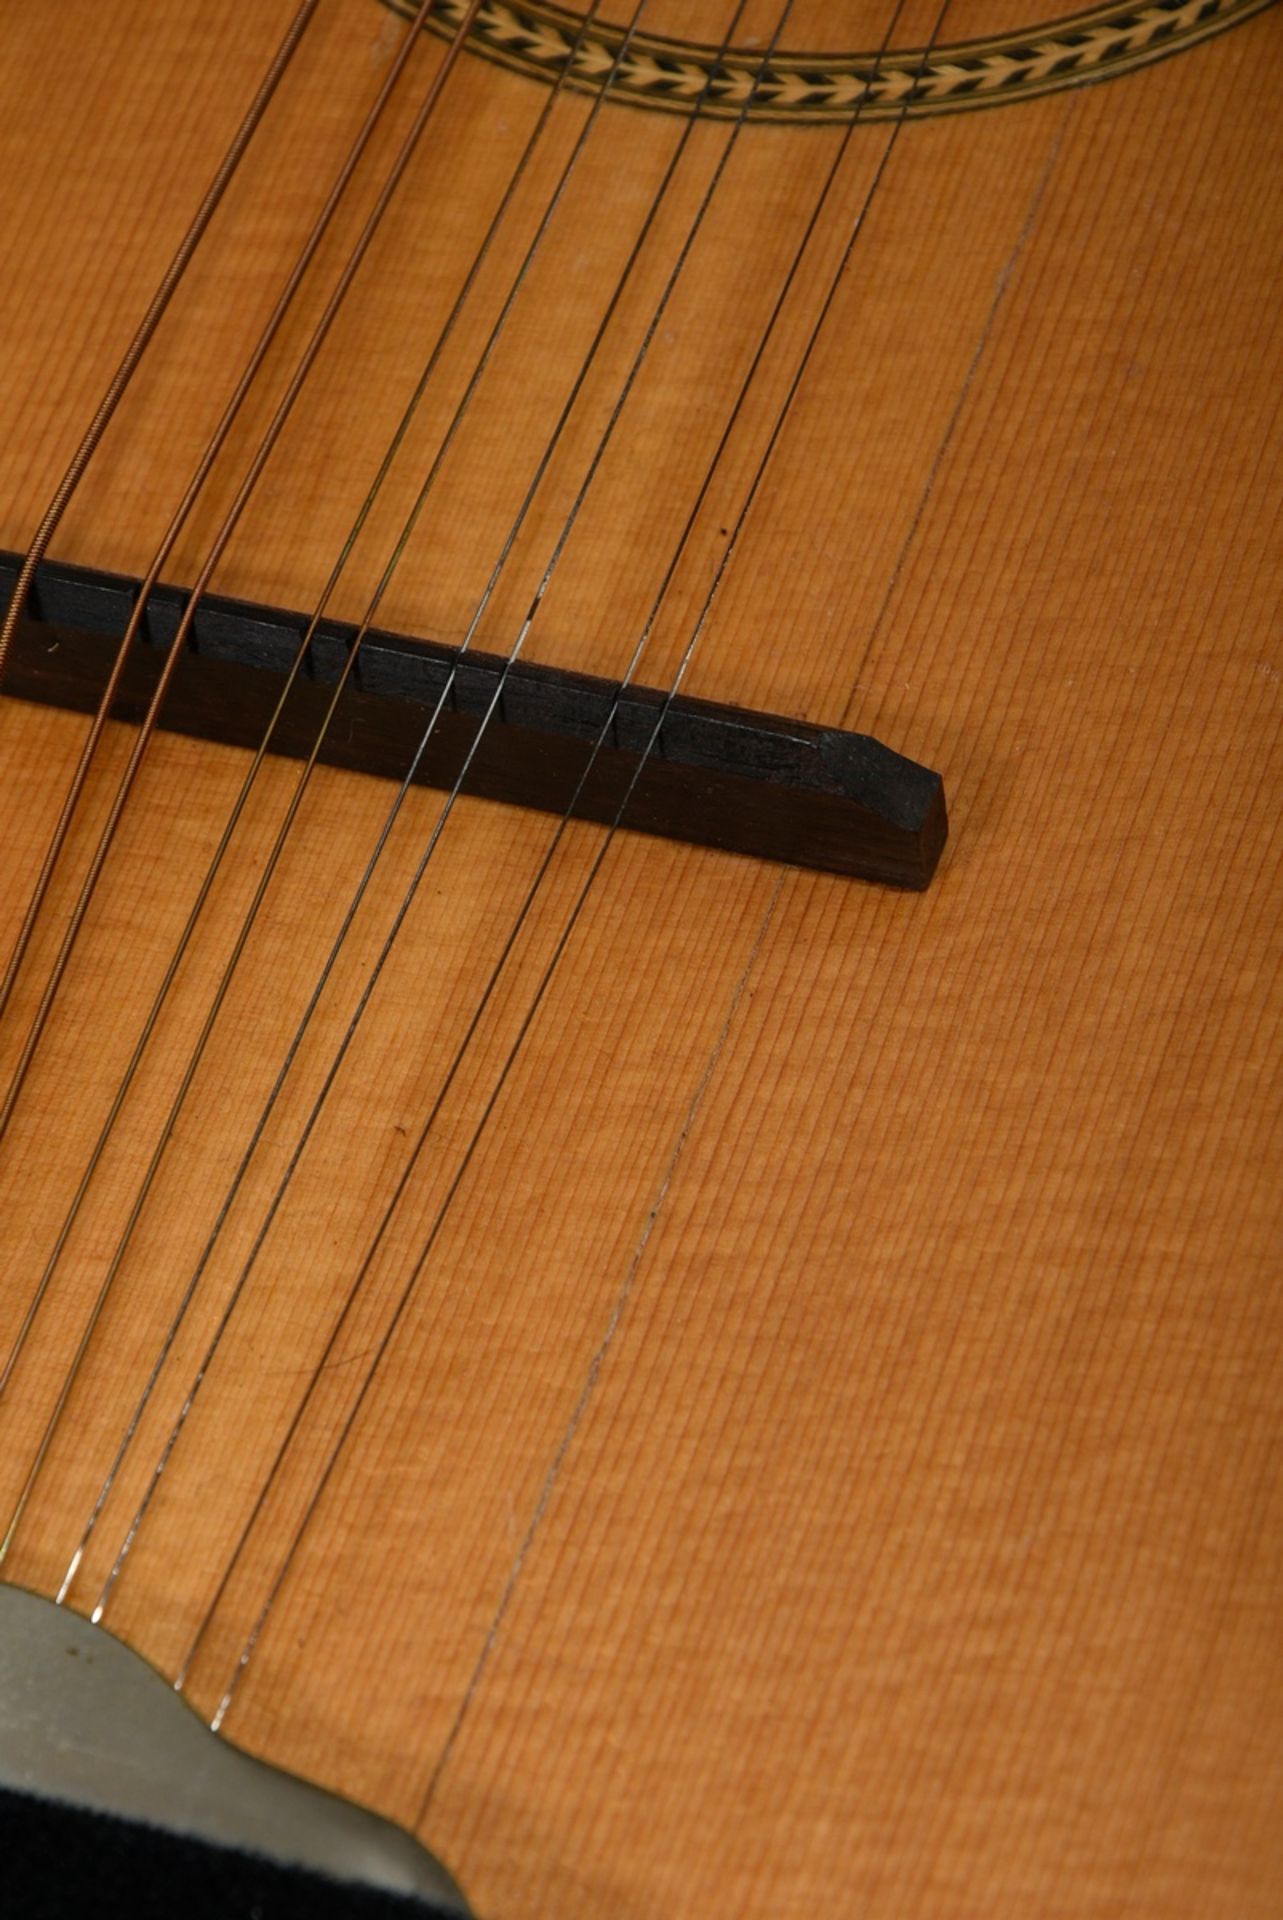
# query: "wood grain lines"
(831, 1462)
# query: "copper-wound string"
(228, 832)
(177, 645)
(354, 1290)
(408, 1289)
(507, 548)
(224, 534)
(66, 487)
(296, 1042)
(277, 423)
(603, 734)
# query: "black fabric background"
(60, 1863)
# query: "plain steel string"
(510, 541)
(238, 505)
(147, 326)
(259, 461)
(251, 775)
(545, 979)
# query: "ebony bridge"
(718, 776)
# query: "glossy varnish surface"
(829, 1462)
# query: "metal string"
(265, 1115)
(184, 626)
(147, 326)
(710, 599)
(224, 534)
(543, 869)
(118, 1255)
(277, 423)
(185, 937)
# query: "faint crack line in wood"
(620, 1304)
(598, 1360)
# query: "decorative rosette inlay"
(672, 76)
